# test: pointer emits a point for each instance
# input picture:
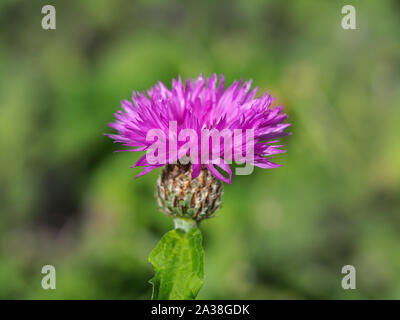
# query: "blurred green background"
(68, 200)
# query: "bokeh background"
(68, 200)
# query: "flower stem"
(185, 224)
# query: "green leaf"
(178, 261)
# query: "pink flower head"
(201, 105)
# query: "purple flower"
(200, 105)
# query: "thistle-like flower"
(190, 184)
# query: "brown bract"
(178, 195)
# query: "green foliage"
(178, 261)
